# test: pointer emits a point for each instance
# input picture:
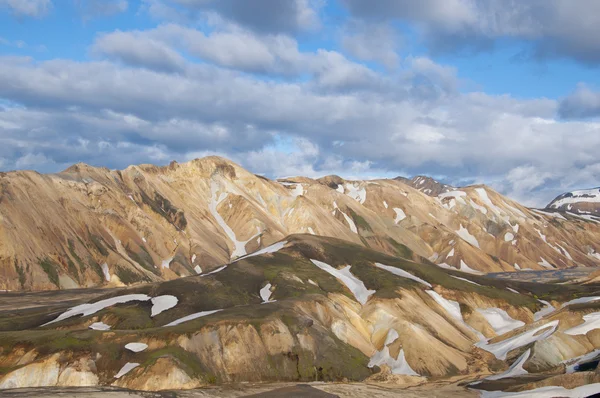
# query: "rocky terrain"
(202, 274)
(93, 227)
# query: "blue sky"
(502, 92)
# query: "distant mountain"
(90, 226)
(585, 202)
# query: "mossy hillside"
(339, 253)
(334, 359)
(29, 318)
(51, 269)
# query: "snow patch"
(548, 309)
(265, 294)
(198, 269)
(508, 237)
(106, 272)
(239, 247)
(545, 263)
(502, 348)
(99, 326)
(166, 263)
(467, 237)
(581, 300)
(269, 249)
(402, 273)
(499, 320)
(215, 271)
(457, 195)
(340, 188)
(482, 209)
(136, 347)
(162, 303)
(298, 190)
(465, 268)
(451, 307)
(555, 215)
(465, 280)
(191, 317)
(487, 201)
(89, 309)
(399, 215)
(128, 367)
(590, 322)
(312, 232)
(356, 193)
(516, 369)
(385, 204)
(356, 286)
(450, 253)
(398, 366)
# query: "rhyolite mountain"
(307, 308)
(203, 273)
(90, 226)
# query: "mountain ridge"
(89, 226)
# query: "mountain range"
(203, 273)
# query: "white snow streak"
(402, 273)
(191, 317)
(502, 348)
(89, 309)
(467, 237)
(128, 367)
(590, 322)
(356, 286)
(106, 272)
(499, 320)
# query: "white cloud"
(372, 42)
(554, 28)
(28, 8)
(581, 103)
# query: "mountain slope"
(307, 308)
(92, 226)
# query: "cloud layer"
(220, 77)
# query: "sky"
(501, 92)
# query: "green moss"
(401, 250)
(96, 267)
(360, 222)
(143, 258)
(72, 268)
(187, 360)
(165, 208)
(74, 255)
(131, 317)
(98, 243)
(22, 275)
(50, 268)
(128, 276)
